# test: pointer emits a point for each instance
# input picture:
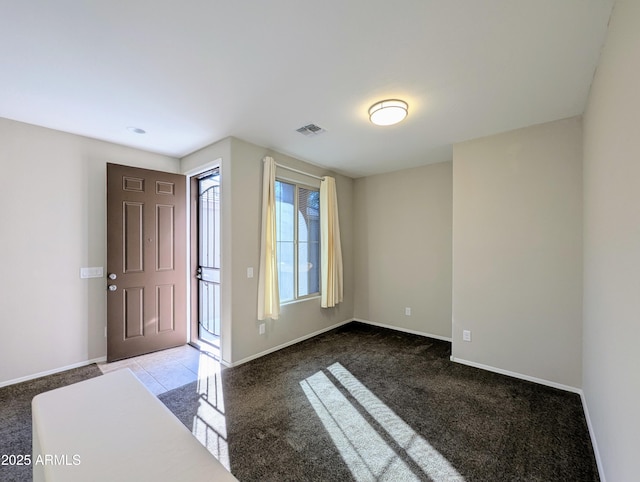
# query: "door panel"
(166, 312)
(146, 251)
(132, 236)
(164, 237)
(133, 311)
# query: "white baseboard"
(481, 366)
(405, 330)
(592, 434)
(528, 378)
(548, 383)
(51, 372)
(284, 345)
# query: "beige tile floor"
(168, 369)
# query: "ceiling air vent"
(310, 130)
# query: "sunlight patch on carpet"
(361, 446)
(421, 452)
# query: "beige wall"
(403, 249)
(517, 251)
(52, 319)
(241, 199)
(53, 216)
(612, 247)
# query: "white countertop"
(111, 428)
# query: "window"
(298, 240)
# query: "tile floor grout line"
(171, 362)
(155, 379)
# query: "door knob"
(112, 276)
(112, 287)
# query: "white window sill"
(300, 300)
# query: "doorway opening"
(205, 255)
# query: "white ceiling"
(192, 72)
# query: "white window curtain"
(331, 250)
(268, 296)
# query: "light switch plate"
(94, 272)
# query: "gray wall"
(53, 218)
(403, 249)
(517, 251)
(612, 247)
(241, 199)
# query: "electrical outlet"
(407, 311)
(261, 328)
(250, 272)
(466, 335)
(105, 331)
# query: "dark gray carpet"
(360, 403)
(15, 415)
(396, 407)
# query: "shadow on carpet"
(367, 403)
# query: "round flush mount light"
(136, 130)
(388, 112)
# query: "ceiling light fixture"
(136, 130)
(388, 112)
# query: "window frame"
(316, 294)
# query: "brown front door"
(146, 252)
